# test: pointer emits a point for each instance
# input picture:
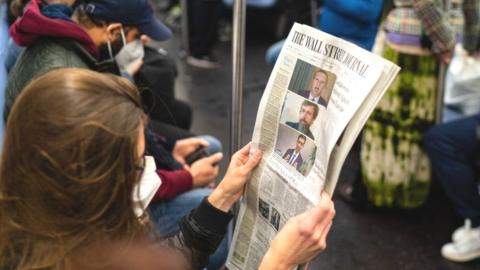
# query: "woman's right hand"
(230, 189)
(302, 238)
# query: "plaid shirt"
(413, 17)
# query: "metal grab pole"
(440, 93)
(313, 12)
(185, 30)
(238, 52)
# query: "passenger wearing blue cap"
(54, 40)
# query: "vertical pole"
(238, 53)
(313, 12)
(440, 93)
(185, 41)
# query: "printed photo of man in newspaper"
(312, 83)
(275, 219)
(264, 208)
(306, 116)
(301, 114)
(295, 149)
(293, 156)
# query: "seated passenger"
(453, 151)
(353, 20)
(73, 168)
(84, 41)
(154, 74)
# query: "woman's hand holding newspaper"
(302, 238)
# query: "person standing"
(353, 20)
(203, 18)
(420, 35)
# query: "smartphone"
(196, 155)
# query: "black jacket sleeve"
(200, 233)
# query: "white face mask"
(147, 187)
(129, 54)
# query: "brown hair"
(68, 168)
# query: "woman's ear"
(113, 31)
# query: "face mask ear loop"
(110, 51)
(122, 33)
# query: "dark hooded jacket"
(50, 43)
(58, 43)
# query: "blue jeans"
(167, 214)
(214, 144)
(453, 150)
(273, 52)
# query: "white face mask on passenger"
(129, 54)
(147, 187)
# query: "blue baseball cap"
(139, 13)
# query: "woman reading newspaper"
(75, 181)
(420, 34)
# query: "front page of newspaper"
(316, 86)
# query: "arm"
(472, 26)
(200, 233)
(301, 239)
(203, 229)
(435, 25)
(366, 11)
(173, 183)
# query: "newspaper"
(318, 97)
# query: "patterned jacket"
(436, 18)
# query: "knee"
(273, 52)
(433, 139)
(195, 196)
(214, 144)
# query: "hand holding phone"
(199, 153)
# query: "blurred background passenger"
(203, 19)
(353, 20)
(454, 150)
(420, 34)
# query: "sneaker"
(459, 233)
(202, 61)
(224, 31)
(174, 18)
(465, 249)
(354, 193)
